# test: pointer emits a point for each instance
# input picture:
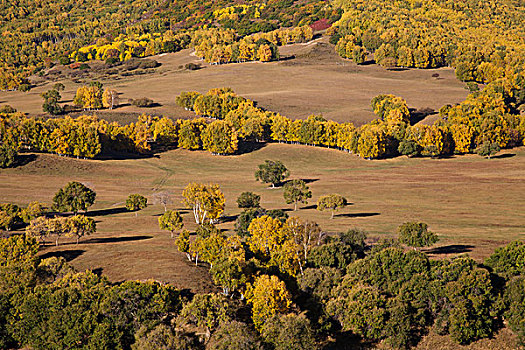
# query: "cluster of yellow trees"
(485, 116)
(124, 47)
(223, 46)
(483, 40)
(215, 45)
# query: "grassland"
(474, 204)
(310, 79)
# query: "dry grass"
(316, 81)
(475, 205)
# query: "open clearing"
(315, 81)
(474, 204)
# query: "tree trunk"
(78, 239)
(171, 234)
(332, 215)
(295, 206)
(56, 242)
(188, 256)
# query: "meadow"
(472, 203)
(310, 79)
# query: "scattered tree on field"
(163, 198)
(296, 191)
(110, 99)
(183, 243)
(416, 235)
(79, 226)
(171, 220)
(136, 202)
(73, 197)
(488, 149)
(332, 202)
(272, 172)
(206, 201)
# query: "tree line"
(485, 122)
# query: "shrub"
(142, 102)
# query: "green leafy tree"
(136, 202)
(488, 149)
(272, 172)
(332, 202)
(515, 302)
(74, 197)
(8, 155)
(408, 148)
(472, 301)
(289, 332)
(234, 335)
(51, 99)
(248, 200)
(171, 220)
(183, 243)
(296, 191)
(416, 235)
(508, 261)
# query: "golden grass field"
(316, 81)
(474, 204)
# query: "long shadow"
(503, 156)
(451, 249)
(418, 115)
(307, 181)
(98, 271)
(229, 218)
(313, 206)
(66, 254)
(115, 239)
(104, 212)
(24, 159)
(356, 215)
(250, 146)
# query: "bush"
(142, 102)
(192, 66)
(84, 66)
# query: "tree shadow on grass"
(356, 215)
(451, 249)
(66, 254)
(228, 218)
(24, 159)
(313, 206)
(115, 239)
(503, 156)
(104, 212)
(250, 146)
